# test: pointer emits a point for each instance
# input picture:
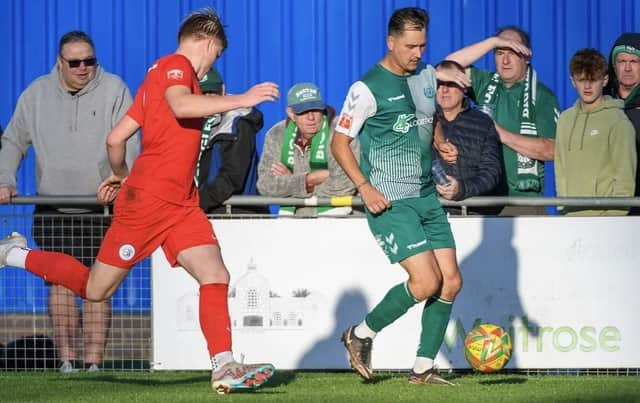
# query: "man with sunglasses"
(66, 116)
(524, 109)
(478, 168)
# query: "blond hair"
(203, 24)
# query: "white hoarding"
(566, 288)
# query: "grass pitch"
(290, 386)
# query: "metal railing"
(356, 201)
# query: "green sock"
(397, 301)
(435, 318)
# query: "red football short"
(142, 222)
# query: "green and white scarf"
(317, 158)
(209, 129)
(319, 143)
(529, 170)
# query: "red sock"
(214, 317)
(59, 269)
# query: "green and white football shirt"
(395, 136)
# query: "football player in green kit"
(391, 108)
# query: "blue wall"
(330, 42)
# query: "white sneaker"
(12, 241)
(93, 368)
(66, 367)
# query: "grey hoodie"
(68, 133)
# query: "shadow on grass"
(504, 381)
(136, 380)
(378, 378)
(280, 378)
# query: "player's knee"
(213, 276)
(94, 295)
(451, 287)
(421, 290)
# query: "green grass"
(290, 386)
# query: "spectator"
(228, 161)
(524, 109)
(595, 151)
(391, 109)
(478, 167)
(66, 116)
(296, 160)
(624, 77)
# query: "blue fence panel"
(21, 291)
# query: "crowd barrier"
(564, 287)
(297, 283)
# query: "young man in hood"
(624, 77)
(595, 154)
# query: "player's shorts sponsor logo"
(175, 74)
(345, 121)
(127, 252)
(417, 244)
(406, 121)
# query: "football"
(487, 348)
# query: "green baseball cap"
(211, 82)
(304, 97)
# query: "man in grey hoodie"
(66, 116)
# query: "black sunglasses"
(75, 63)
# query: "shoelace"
(364, 348)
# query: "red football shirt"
(170, 146)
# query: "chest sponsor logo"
(595, 132)
(175, 74)
(406, 121)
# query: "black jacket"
(479, 165)
(228, 166)
(631, 106)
